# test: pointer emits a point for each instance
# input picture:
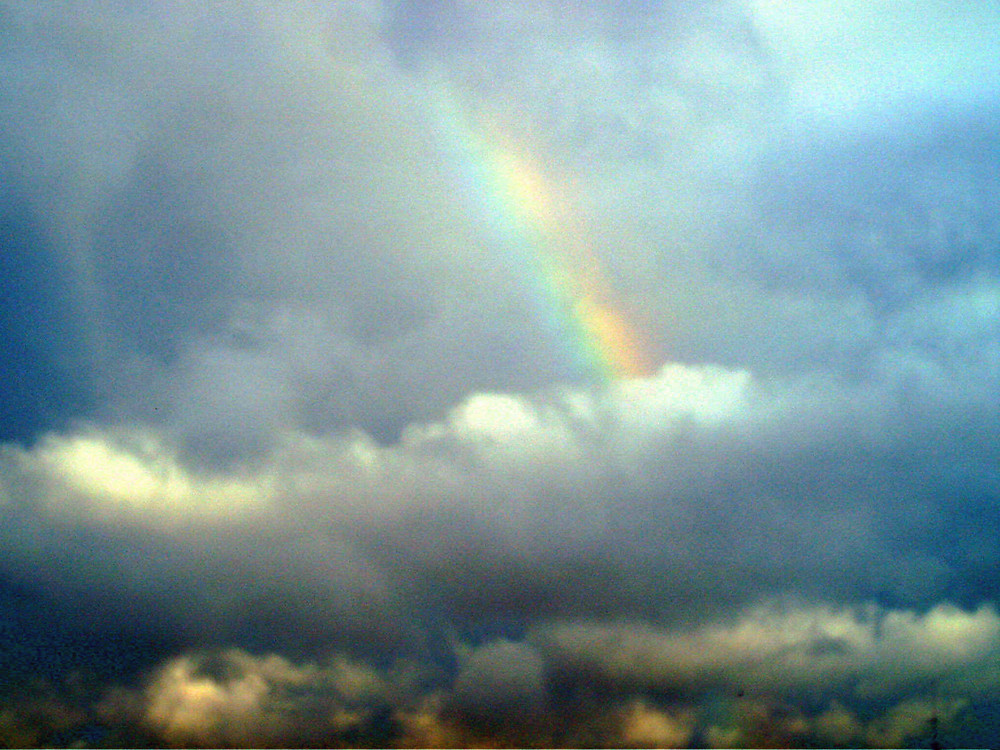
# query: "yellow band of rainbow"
(535, 220)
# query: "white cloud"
(105, 479)
(503, 435)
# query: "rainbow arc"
(533, 216)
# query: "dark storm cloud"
(287, 425)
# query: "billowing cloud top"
(452, 373)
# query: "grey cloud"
(218, 200)
(620, 82)
(868, 651)
(500, 681)
(674, 497)
(817, 230)
(227, 697)
(321, 241)
(278, 383)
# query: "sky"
(442, 373)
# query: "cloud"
(197, 251)
(281, 241)
(792, 649)
(499, 681)
(519, 691)
(292, 415)
(839, 58)
(646, 726)
(233, 698)
(674, 496)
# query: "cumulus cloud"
(234, 698)
(549, 498)
(536, 692)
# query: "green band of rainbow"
(536, 222)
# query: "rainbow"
(535, 219)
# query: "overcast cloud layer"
(290, 457)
